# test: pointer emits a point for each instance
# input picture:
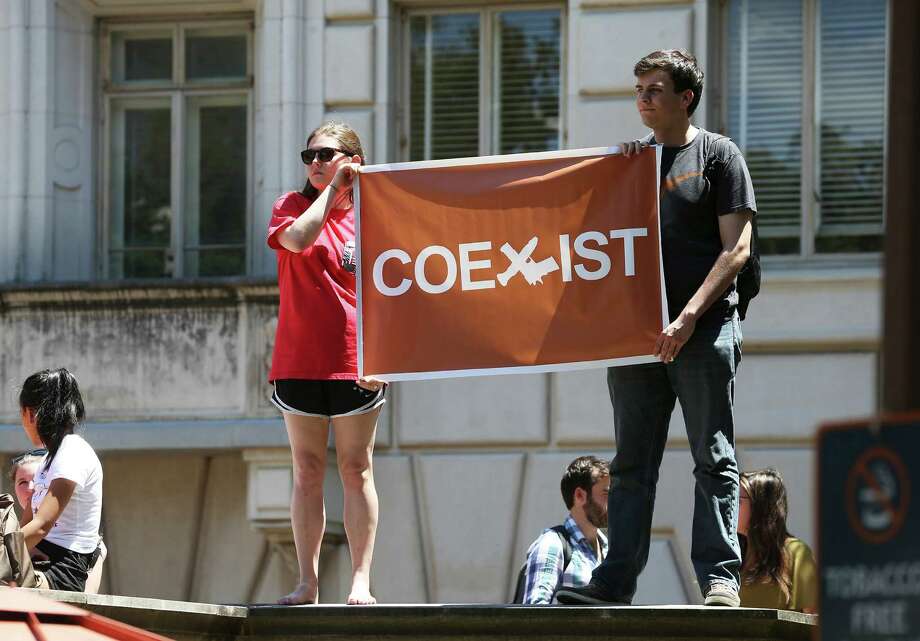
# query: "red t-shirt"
(316, 335)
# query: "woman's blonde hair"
(348, 140)
(27, 458)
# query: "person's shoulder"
(799, 549)
(719, 145)
(292, 201)
(74, 445)
(549, 539)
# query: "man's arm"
(544, 569)
(735, 232)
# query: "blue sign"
(869, 530)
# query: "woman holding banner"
(314, 363)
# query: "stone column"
(14, 136)
(288, 64)
(46, 142)
(605, 38)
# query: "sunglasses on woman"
(16, 460)
(325, 154)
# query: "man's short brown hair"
(583, 472)
(681, 65)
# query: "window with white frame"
(177, 110)
(482, 81)
(805, 101)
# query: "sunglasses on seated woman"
(325, 154)
(16, 460)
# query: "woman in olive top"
(778, 570)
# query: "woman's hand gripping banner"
(509, 264)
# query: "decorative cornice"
(607, 92)
(350, 18)
(785, 346)
(121, 294)
(349, 104)
(602, 5)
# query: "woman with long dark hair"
(778, 570)
(314, 365)
(66, 505)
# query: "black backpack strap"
(566, 545)
(747, 282)
(566, 559)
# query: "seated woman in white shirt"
(66, 505)
(22, 474)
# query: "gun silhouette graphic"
(532, 271)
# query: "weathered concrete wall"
(159, 351)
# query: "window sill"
(830, 268)
(226, 291)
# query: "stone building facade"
(142, 143)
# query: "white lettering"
(565, 258)
(467, 265)
(382, 287)
(422, 279)
(588, 246)
(879, 617)
(880, 581)
(592, 254)
(629, 257)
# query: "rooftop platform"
(201, 621)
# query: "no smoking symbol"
(878, 493)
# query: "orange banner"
(505, 264)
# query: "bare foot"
(303, 594)
(360, 593)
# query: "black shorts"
(65, 569)
(325, 399)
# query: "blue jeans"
(702, 377)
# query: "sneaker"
(589, 594)
(723, 594)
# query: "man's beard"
(595, 513)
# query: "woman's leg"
(309, 437)
(354, 446)
(95, 573)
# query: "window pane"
(146, 263)
(142, 57)
(527, 81)
(215, 56)
(417, 35)
(444, 86)
(141, 194)
(217, 262)
(215, 211)
(851, 112)
(765, 109)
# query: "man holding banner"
(707, 205)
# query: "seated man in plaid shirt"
(584, 490)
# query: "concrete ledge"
(527, 622)
(142, 293)
(184, 435)
(186, 621)
(178, 620)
